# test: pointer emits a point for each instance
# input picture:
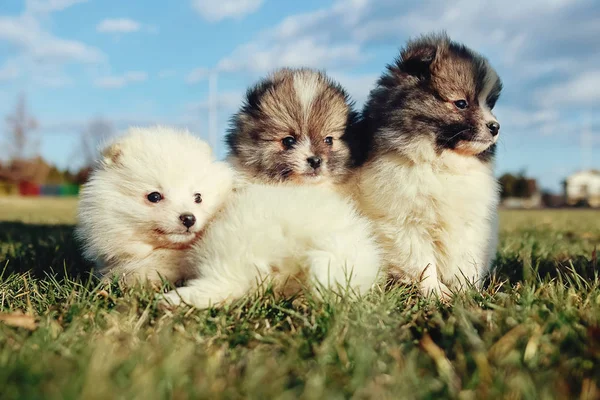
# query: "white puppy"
(147, 201)
(290, 235)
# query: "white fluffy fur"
(129, 236)
(284, 233)
(436, 216)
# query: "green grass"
(533, 334)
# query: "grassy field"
(533, 334)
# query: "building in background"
(583, 188)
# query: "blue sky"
(147, 61)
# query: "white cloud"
(521, 38)
(40, 55)
(341, 16)
(116, 82)
(578, 91)
(25, 33)
(217, 10)
(61, 50)
(46, 6)
(21, 30)
(316, 39)
(539, 120)
(197, 75)
(518, 118)
(300, 52)
(118, 25)
(227, 100)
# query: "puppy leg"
(492, 247)
(413, 256)
(468, 262)
(348, 260)
(431, 285)
(151, 270)
(206, 292)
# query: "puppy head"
(161, 182)
(292, 128)
(440, 93)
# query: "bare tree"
(20, 124)
(98, 130)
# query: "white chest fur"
(435, 220)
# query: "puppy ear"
(420, 57)
(416, 60)
(111, 154)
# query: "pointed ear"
(111, 154)
(417, 59)
(422, 56)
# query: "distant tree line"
(517, 185)
(57, 176)
(22, 164)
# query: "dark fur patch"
(494, 94)
(415, 99)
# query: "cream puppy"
(289, 235)
(147, 202)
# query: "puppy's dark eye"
(198, 198)
(462, 104)
(154, 197)
(328, 140)
(289, 142)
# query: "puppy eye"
(154, 197)
(328, 140)
(289, 142)
(462, 104)
(198, 198)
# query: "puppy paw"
(430, 285)
(169, 301)
(192, 296)
(437, 289)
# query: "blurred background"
(73, 72)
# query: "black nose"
(494, 127)
(314, 161)
(188, 220)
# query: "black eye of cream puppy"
(154, 197)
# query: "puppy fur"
(292, 128)
(123, 230)
(428, 181)
(288, 235)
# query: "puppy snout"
(188, 220)
(494, 127)
(314, 162)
